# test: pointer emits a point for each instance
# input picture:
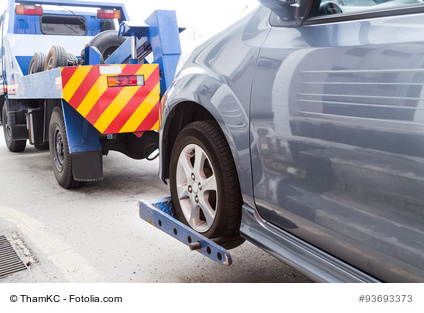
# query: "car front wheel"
(204, 183)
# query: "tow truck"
(80, 79)
(74, 82)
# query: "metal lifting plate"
(160, 213)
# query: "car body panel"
(218, 80)
(338, 129)
(326, 126)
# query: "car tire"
(59, 152)
(57, 57)
(107, 42)
(12, 145)
(204, 183)
(37, 63)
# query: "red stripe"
(67, 74)
(88, 82)
(151, 119)
(133, 104)
(104, 101)
(108, 96)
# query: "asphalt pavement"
(94, 234)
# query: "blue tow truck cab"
(78, 78)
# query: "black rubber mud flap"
(87, 166)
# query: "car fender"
(210, 92)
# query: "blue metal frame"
(159, 213)
(82, 136)
(91, 56)
(164, 37)
(163, 34)
(105, 5)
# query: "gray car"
(300, 128)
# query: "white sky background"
(201, 18)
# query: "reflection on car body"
(330, 167)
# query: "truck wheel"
(59, 152)
(12, 145)
(107, 42)
(57, 57)
(72, 60)
(204, 183)
(37, 63)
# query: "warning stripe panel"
(105, 98)
(140, 101)
(84, 88)
(151, 121)
(114, 109)
(74, 81)
(66, 75)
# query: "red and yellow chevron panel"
(114, 110)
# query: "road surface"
(94, 234)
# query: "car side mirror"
(287, 10)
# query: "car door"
(337, 124)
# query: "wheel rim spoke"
(209, 184)
(208, 212)
(196, 188)
(182, 192)
(185, 165)
(199, 161)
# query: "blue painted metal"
(120, 55)
(47, 84)
(159, 213)
(82, 136)
(92, 57)
(123, 53)
(130, 29)
(162, 32)
(165, 40)
(103, 5)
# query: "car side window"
(343, 8)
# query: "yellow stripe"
(114, 108)
(156, 126)
(75, 82)
(142, 111)
(121, 101)
(93, 96)
(145, 107)
(146, 70)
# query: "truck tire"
(57, 57)
(107, 42)
(12, 145)
(37, 63)
(59, 152)
(72, 60)
(204, 183)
